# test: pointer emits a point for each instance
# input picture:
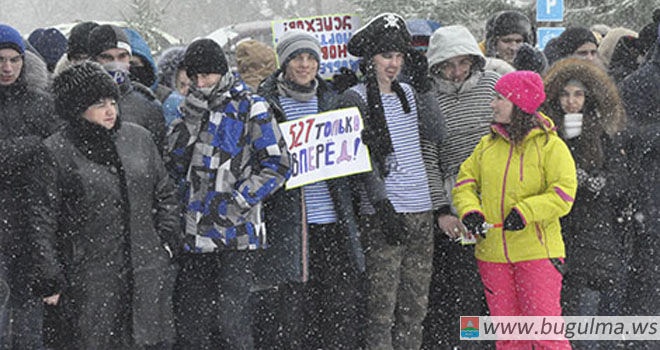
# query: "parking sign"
(549, 10)
(545, 34)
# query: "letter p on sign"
(549, 10)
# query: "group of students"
(138, 238)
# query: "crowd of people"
(143, 207)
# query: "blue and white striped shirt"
(406, 184)
(320, 209)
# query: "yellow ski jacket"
(537, 178)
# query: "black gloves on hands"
(593, 183)
(513, 221)
(392, 228)
(344, 80)
(475, 224)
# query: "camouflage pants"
(398, 283)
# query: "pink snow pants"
(526, 288)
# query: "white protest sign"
(325, 146)
(333, 33)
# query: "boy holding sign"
(311, 226)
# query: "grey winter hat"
(296, 42)
(107, 37)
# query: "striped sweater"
(468, 114)
(406, 184)
(318, 203)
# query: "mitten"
(475, 223)
(513, 221)
(344, 80)
(582, 176)
(596, 183)
(392, 228)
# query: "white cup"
(572, 125)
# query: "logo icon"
(469, 326)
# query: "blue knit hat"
(10, 38)
(50, 43)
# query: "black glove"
(475, 224)
(392, 228)
(344, 80)
(513, 221)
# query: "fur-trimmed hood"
(600, 89)
(169, 63)
(35, 72)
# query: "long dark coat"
(597, 231)
(101, 239)
(287, 257)
(26, 117)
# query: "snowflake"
(391, 21)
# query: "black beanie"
(386, 32)
(530, 58)
(648, 36)
(511, 22)
(107, 37)
(79, 87)
(204, 56)
(78, 42)
(574, 37)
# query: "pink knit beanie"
(523, 88)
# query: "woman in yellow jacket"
(511, 192)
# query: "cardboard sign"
(333, 33)
(325, 146)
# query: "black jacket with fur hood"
(597, 232)
(26, 117)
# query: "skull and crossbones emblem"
(391, 21)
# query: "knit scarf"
(376, 134)
(96, 142)
(300, 93)
(199, 101)
(449, 87)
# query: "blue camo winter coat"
(227, 159)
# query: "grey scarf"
(199, 100)
(450, 87)
(298, 92)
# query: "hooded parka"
(597, 231)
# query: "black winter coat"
(101, 238)
(285, 258)
(640, 91)
(144, 110)
(26, 117)
(598, 231)
(643, 294)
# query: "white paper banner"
(325, 146)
